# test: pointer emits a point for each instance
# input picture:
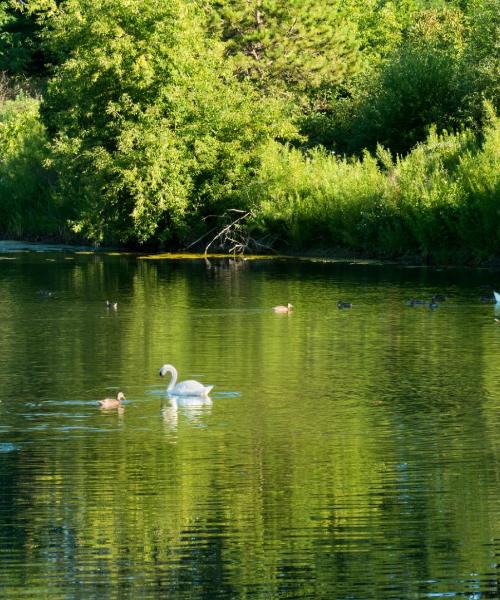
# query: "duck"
(341, 304)
(190, 387)
(112, 402)
(283, 309)
(113, 305)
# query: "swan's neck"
(173, 381)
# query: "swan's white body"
(497, 297)
(190, 387)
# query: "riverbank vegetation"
(367, 127)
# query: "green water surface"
(342, 454)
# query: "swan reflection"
(192, 408)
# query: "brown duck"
(112, 402)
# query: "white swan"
(497, 297)
(184, 388)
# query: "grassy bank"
(439, 202)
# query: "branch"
(226, 229)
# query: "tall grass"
(442, 200)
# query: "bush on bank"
(441, 200)
(26, 204)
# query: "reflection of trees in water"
(145, 502)
(199, 567)
(225, 266)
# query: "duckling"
(433, 305)
(113, 305)
(283, 309)
(341, 304)
(112, 402)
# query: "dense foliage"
(363, 125)
(147, 124)
(25, 206)
(441, 199)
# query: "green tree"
(419, 84)
(25, 206)
(289, 44)
(482, 55)
(150, 128)
(20, 49)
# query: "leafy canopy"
(148, 121)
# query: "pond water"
(342, 454)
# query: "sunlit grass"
(441, 200)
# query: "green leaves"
(432, 76)
(25, 207)
(440, 200)
(160, 116)
(292, 45)
(148, 121)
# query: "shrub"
(441, 200)
(25, 203)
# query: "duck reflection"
(119, 411)
(192, 408)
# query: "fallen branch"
(225, 231)
(234, 237)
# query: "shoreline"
(8, 246)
